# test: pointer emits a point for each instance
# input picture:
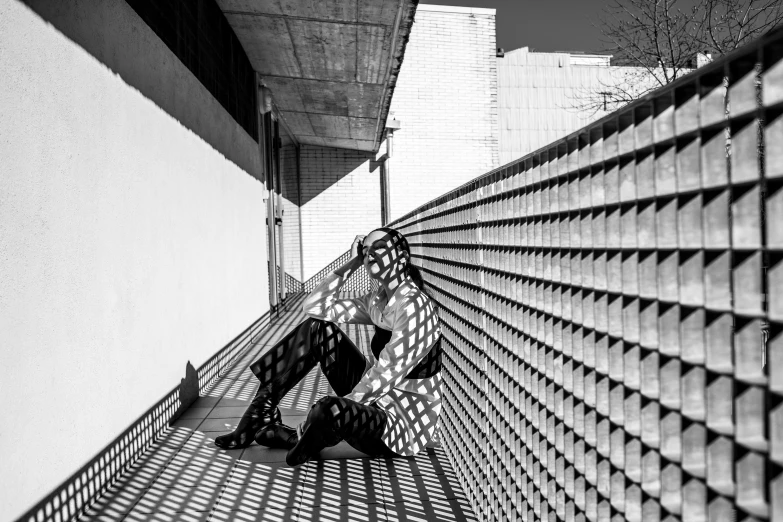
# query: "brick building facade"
(446, 102)
(340, 199)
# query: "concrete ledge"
(456, 9)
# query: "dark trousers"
(292, 358)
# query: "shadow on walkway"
(185, 477)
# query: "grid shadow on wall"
(612, 309)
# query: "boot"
(315, 434)
(279, 370)
(278, 436)
(308, 445)
(261, 412)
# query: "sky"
(543, 25)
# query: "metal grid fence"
(359, 282)
(612, 307)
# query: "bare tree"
(654, 42)
(725, 25)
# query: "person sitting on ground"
(385, 407)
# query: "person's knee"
(324, 411)
(314, 323)
(323, 418)
(318, 329)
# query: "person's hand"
(356, 247)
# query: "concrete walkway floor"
(185, 477)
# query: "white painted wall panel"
(128, 245)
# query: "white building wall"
(541, 96)
(446, 101)
(128, 244)
(340, 199)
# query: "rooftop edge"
(456, 9)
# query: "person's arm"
(351, 266)
(414, 332)
(322, 303)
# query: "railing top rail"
(715, 70)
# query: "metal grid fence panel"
(612, 308)
(359, 282)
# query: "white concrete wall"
(128, 245)
(446, 101)
(539, 95)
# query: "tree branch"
(655, 42)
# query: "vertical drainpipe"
(391, 126)
(278, 193)
(299, 209)
(265, 143)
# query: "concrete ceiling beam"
(330, 65)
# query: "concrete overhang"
(331, 65)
